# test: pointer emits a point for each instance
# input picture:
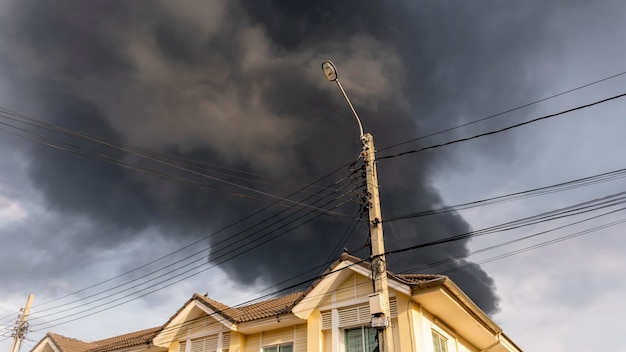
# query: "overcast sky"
(156, 139)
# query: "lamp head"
(330, 71)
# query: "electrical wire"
(580, 208)
(559, 187)
(464, 267)
(239, 248)
(240, 221)
(455, 258)
(517, 125)
(452, 270)
(242, 248)
(504, 112)
(24, 119)
(552, 213)
(502, 129)
(81, 151)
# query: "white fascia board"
(164, 338)
(54, 346)
(47, 341)
(272, 323)
(215, 315)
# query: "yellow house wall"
(295, 334)
(253, 343)
(355, 286)
(315, 338)
(237, 342)
(404, 335)
(201, 327)
(174, 346)
(455, 342)
(328, 342)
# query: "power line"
(573, 210)
(552, 215)
(241, 245)
(242, 248)
(503, 129)
(125, 146)
(464, 267)
(89, 153)
(588, 179)
(248, 217)
(452, 259)
(559, 187)
(504, 112)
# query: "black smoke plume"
(238, 84)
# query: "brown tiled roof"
(416, 279)
(68, 344)
(265, 309)
(270, 308)
(284, 304)
(136, 338)
(231, 314)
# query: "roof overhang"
(46, 341)
(192, 310)
(442, 298)
(332, 280)
(272, 323)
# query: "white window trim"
(220, 340)
(343, 336)
(278, 345)
(450, 338)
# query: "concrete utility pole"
(21, 326)
(379, 300)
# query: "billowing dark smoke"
(238, 84)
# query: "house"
(429, 313)
(138, 341)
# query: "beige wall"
(294, 334)
(354, 287)
(455, 342)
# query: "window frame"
(278, 348)
(364, 338)
(442, 339)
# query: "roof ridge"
(55, 335)
(225, 311)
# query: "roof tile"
(127, 340)
(68, 344)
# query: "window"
(279, 348)
(361, 339)
(440, 343)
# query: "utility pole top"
(21, 326)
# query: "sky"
(153, 149)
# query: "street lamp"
(379, 300)
(330, 72)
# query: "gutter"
(494, 344)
